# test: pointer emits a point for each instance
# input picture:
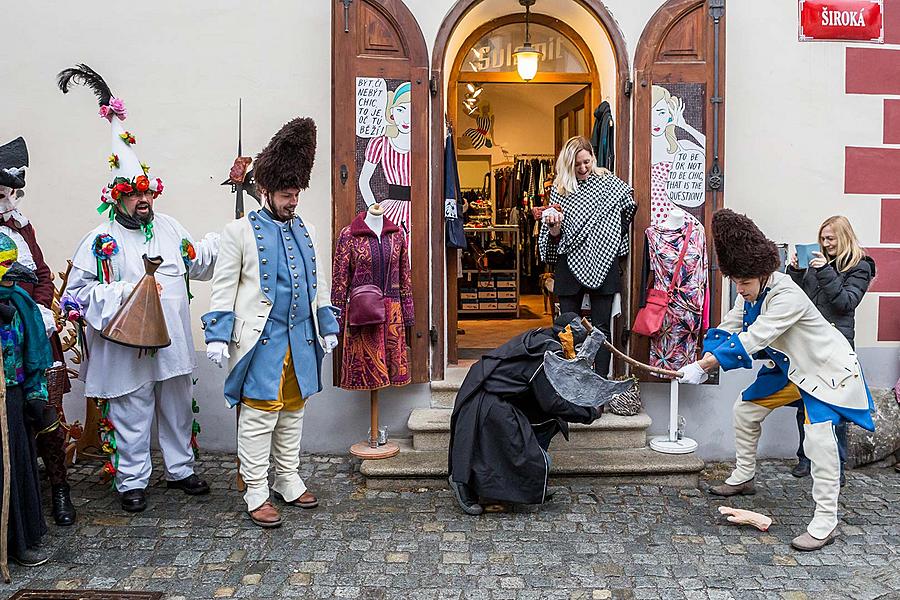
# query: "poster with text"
(383, 139)
(677, 150)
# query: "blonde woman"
(667, 115)
(585, 239)
(391, 151)
(836, 281)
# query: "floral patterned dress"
(677, 343)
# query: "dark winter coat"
(493, 446)
(837, 294)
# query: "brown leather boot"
(306, 500)
(807, 543)
(266, 516)
(726, 489)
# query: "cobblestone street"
(590, 541)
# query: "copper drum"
(140, 322)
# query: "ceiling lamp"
(527, 56)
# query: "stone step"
(413, 468)
(443, 392)
(431, 431)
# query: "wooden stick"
(4, 515)
(373, 434)
(634, 363)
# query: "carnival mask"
(9, 252)
(9, 200)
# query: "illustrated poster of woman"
(673, 159)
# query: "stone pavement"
(590, 541)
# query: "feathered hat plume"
(130, 175)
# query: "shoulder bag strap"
(676, 274)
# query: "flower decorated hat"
(128, 174)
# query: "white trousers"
(261, 434)
(820, 446)
(132, 416)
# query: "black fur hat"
(742, 249)
(288, 159)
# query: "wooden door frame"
(445, 262)
(414, 67)
(655, 31)
(570, 106)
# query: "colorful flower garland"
(195, 426)
(127, 138)
(188, 253)
(108, 441)
(104, 248)
(115, 107)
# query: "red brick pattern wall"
(875, 70)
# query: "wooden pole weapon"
(634, 363)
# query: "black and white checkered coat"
(594, 228)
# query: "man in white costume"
(106, 266)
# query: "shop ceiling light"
(527, 56)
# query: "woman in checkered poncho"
(584, 239)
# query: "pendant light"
(527, 56)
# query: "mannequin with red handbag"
(671, 313)
(372, 286)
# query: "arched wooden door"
(678, 153)
(380, 104)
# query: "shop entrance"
(507, 133)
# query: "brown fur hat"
(742, 249)
(288, 159)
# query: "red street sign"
(859, 20)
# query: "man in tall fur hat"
(106, 267)
(270, 315)
(805, 358)
(51, 439)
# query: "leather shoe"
(63, 509)
(31, 557)
(808, 543)
(190, 485)
(802, 468)
(306, 500)
(134, 501)
(464, 498)
(265, 516)
(726, 489)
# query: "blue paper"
(805, 253)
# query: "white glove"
(49, 320)
(330, 342)
(217, 352)
(693, 374)
(550, 212)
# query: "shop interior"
(509, 134)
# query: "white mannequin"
(375, 218)
(673, 220)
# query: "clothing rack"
(518, 156)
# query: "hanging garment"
(594, 229)
(453, 207)
(602, 138)
(678, 340)
(374, 356)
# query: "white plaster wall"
(181, 67)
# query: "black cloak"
(504, 397)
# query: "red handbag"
(649, 319)
(366, 306)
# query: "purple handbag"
(366, 306)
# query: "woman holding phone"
(835, 280)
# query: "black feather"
(84, 75)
